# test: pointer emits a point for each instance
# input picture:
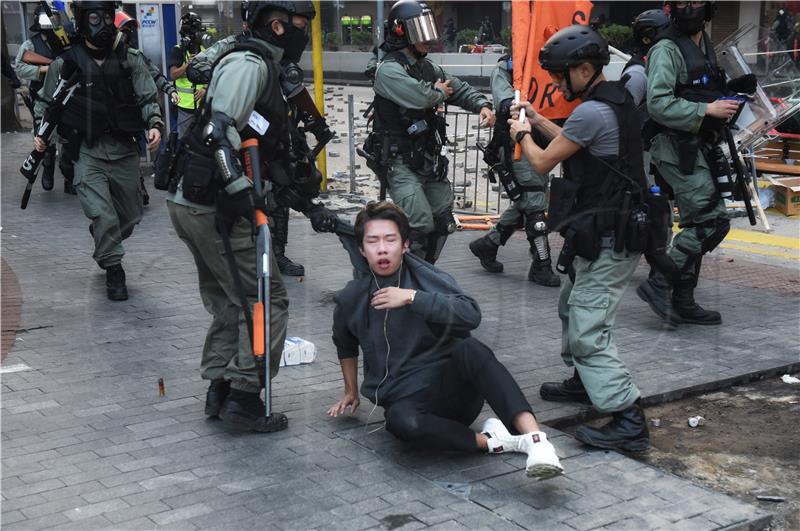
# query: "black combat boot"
(49, 169)
(286, 265)
(115, 283)
(244, 412)
(486, 251)
(655, 291)
(69, 188)
(217, 392)
(67, 168)
(280, 236)
(570, 390)
(627, 431)
(683, 300)
(541, 271)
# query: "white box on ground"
(297, 351)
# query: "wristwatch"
(520, 136)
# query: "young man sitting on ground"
(412, 322)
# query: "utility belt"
(631, 222)
(381, 148)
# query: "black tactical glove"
(322, 219)
(241, 199)
(746, 84)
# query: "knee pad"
(535, 224)
(721, 228)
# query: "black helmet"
(573, 46)
(648, 24)
(690, 19)
(252, 9)
(191, 23)
(304, 9)
(411, 22)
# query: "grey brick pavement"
(88, 443)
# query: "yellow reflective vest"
(186, 89)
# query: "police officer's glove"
(322, 219)
(746, 84)
(319, 128)
(241, 199)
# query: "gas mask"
(98, 28)
(690, 20)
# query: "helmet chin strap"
(572, 95)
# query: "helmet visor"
(421, 28)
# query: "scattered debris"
(696, 421)
(776, 499)
(787, 378)
(656, 423)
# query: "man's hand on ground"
(391, 298)
(348, 401)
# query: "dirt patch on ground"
(748, 445)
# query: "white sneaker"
(500, 440)
(542, 460)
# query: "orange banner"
(533, 22)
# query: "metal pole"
(380, 27)
(319, 92)
(350, 131)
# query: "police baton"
(261, 309)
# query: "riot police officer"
(128, 26)
(683, 99)
(646, 27)
(44, 43)
(189, 94)
(199, 71)
(407, 141)
(592, 208)
(529, 208)
(213, 202)
(113, 104)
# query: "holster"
(688, 146)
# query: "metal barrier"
(472, 189)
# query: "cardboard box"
(787, 195)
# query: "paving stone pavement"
(88, 443)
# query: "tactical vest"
(41, 47)
(706, 81)
(186, 89)
(276, 151)
(393, 119)
(601, 185)
(104, 102)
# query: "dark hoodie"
(421, 336)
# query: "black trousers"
(440, 416)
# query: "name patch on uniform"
(258, 123)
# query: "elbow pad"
(214, 136)
(198, 75)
